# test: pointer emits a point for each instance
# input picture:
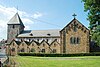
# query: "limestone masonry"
(73, 38)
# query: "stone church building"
(73, 38)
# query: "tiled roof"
(35, 42)
(28, 43)
(40, 33)
(16, 20)
(18, 42)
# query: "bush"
(59, 55)
(7, 66)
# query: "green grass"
(85, 61)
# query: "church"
(73, 38)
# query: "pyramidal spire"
(16, 20)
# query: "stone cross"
(74, 15)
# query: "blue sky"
(54, 14)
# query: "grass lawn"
(30, 61)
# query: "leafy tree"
(93, 9)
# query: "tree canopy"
(93, 9)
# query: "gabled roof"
(17, 42)
(34, 42)
(16, 20)
(26, 42)
(54, 42)
(44, 42)
(40, 33)
(71, 22)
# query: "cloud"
(6, 13)
(27, 21)
(37, 15)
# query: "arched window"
(78, 40)
(75, 40)
(72, 40)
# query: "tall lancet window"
(78, 40)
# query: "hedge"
(59, 55)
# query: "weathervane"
(74, 15)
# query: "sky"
(41, 14)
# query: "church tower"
(15, 27)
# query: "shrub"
(59, 55)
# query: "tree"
(93, 9)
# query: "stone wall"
(32, 47)
(81, 32)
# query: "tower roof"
(16, 20)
